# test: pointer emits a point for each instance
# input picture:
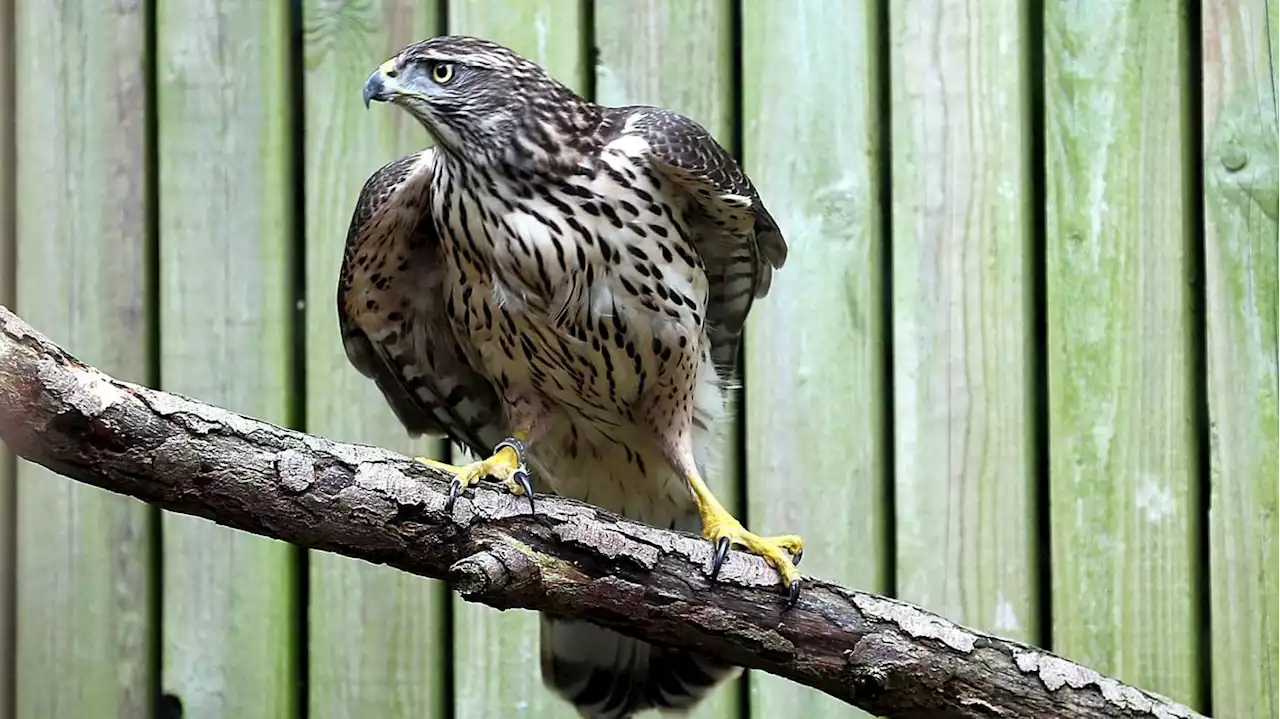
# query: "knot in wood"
(480, 573)
(1234, 157)
(296, 470)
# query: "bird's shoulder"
(402, 183)
(674, 139)
(688, 155)
(391, 217)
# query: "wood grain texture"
(815, 351)
(496, 668)
(545, 31)
(85, 590)
(964, 426)
(230, 606)
(8, 466)
(669, 53)
(678, 54)
(1121, 414)
(377, 637)
(1240, 174)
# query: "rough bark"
(888, 657)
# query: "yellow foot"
(782, 552)
(505, 465)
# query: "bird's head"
(484, 102)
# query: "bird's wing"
(391, 311)
(733, 233)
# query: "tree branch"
(570, 560)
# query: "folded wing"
(391, 312)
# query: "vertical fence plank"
(1122, 454)
(1240, 272)
(496, 669)
(225, 233)
(85, 589)
(962, 331)
(377, 636)
(8, 251)
(815, 397)
(677, 54)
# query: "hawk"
(561, 287)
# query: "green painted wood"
(8, 468)
(230, 606)
(1240, 174)
(545, 31)
(964, 426)
(1121, 414)
(85, 590)
(678, 54)
(496, 668)
(377, 643)
(815, 353)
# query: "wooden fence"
(1020, 368)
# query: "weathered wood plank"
(964, 429)
(815, 394)
(377, 636)
(230, 607)
(496, 670)
(85, 589)
(669, 53)
(1240, 176)
(678, 54)
(545, 31)
(1121, 413)
(8, 468)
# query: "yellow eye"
(442, 72)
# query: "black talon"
(521, 478)
(722, 553)
(799, 555)
(794, 595)
(455, 489)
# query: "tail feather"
(607, 675)
(679, 679)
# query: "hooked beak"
(382, 84)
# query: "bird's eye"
(442, 72)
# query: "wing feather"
(733, 233)
(391, 311)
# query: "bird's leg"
(669, 411)
(507, 463)
(782, 552)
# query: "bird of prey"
(561, 287)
